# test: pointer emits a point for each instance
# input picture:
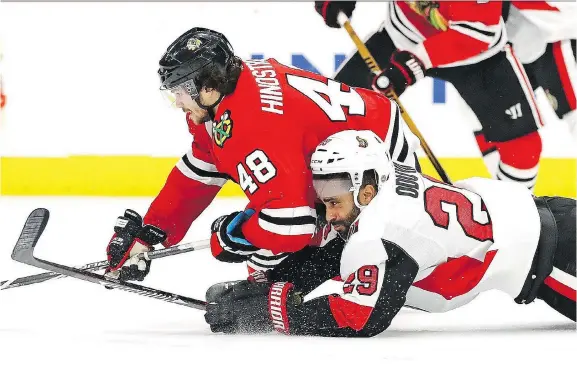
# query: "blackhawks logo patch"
(222, 130)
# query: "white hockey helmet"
(349, 152)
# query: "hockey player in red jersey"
(256, 123)
(544, 35)
(464, 43)
(408, 240)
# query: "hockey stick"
(374, 67)
(43, 277)
(155, 254)
(24, 253)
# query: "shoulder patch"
(222, 130)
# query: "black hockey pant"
(552, 277)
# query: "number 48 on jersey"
(261, 169)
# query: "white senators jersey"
(465, 239)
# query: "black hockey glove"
(249, 307)
(130, 238)
(404, 69)
(329, 10)
(227, 242)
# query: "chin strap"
(209, 108)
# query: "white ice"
(70, 335)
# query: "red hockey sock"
(485, 146)
(520, 159)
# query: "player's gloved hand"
(227, 242)
(250, 307)
(329, 10)
(404, 69)
(130, 238)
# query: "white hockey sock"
(525, 177)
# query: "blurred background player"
(544, 35)
(464, 43)
(408, 240)
(256, 123)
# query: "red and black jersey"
(455, 33)
(262, 139)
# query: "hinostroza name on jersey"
(269, 87)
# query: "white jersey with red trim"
(531, 25)
(462, 239)
(466, 33)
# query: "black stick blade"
(31, 232)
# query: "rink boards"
(145, 175)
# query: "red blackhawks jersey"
(466, 32)
(455, 241)
(262, 139)
(534, 24)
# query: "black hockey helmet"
(190, 55)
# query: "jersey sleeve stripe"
(297, 220)
(265, 262)
(265, 254)
(289, 212)
(404, 152)
(198, 170)
(394, 132)
(399, 147)
(200, 164)
(395, 19)
(285, 228)
(288, 221)
(255, 266)
(479, 35)
(477, 27)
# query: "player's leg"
(354, 72)
(500, 95)
(558, 289)
(556, 72)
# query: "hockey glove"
(329, 10)
(131, 237)
(404, 69)
(250, 307)
(227, 242)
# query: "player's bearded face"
(341, 212)
(342, 224)
(337, 196)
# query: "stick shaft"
(43, 277)
(92, 277)
(374, 67)
(155, 254)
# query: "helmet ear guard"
(350, 153)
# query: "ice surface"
(70, 335)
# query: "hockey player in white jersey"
(408, 240)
